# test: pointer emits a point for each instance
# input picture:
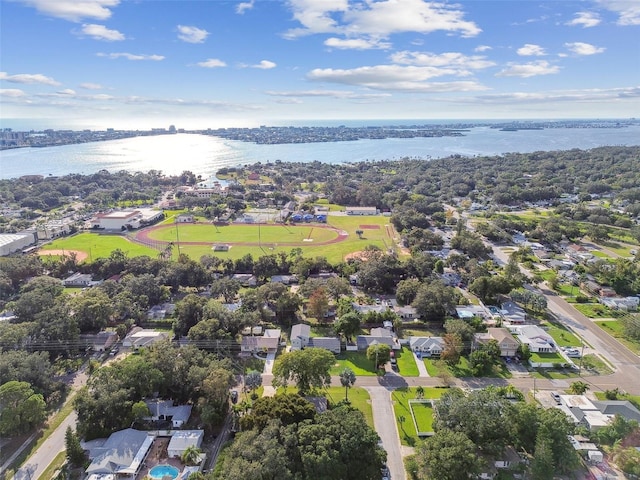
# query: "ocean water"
(204, 155)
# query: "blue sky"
(214, 63)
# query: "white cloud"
(243, 6)
(211, 63)
(447, 59)
(131, 56)
(100, 32)
(11, 92)
(265, 65)
(394, 77)
(531, 50)
(74, 10)
(628, 10)
(378, 19)
(482, 48)
(356, 43)
(580, 48)
(340, 94)
(540, 67)
(578, 96)
(91, 86)
(585, 19)
(29, 78)
(191, 34)
(67, 91)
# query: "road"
(384, 421)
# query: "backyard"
(423, 413)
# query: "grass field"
(423, 413)
(595, 310)
(358, 397)
(546, 357)
(594, 364)
(356, 361)
(615, 329)
(463, 369)
(400, 398)
(100, 246)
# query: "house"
(467, 312)
(583, 412)
(535, 338)
(620, 303)
(165, 410)
(121, 455)
(159, 312)
(406, 313)
(104, 341)
(268, 342)
(377, 336)
(139, 337)
(364, 309)
(284, 279)
(328, 343)
(181, 440)
(624, 408)
(508, 345)
(427, 346)
(451, 279)
(79, 280)
(513, 313)
(245, 279)
(300, 335)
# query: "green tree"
(452, 349)
(308, 368)
(542, 465)
(448, 455)
(379, 353)
(253, 380)
(434, 301)
(20, 408)
(578, 387)
(75, 453)
(287, 408)
(191, 455)
(347, 325)
(347, 379)
(140, 410)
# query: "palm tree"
(419, 392)
(578, 388)
(347, 379)
(191, 455)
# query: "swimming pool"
(161, 471)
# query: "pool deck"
(158, 456)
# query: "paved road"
(384, 421)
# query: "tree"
(188, 313)
(318, 304)
(379, 353)
(578, 388)
(407, 290)
(20, 408)
(542, 465)
(347, 379)
(191, 455)
(308, 368)
(140, 410)
(617, 429)
(452, 349)
(434, 300)
(287, 408)
(253, 380)
(75, 453)
(448, 455)
(347, 325)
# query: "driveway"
(268, 363)
(422, 368)
(384, 421)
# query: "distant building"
(143, 338)
(79, 280)
(123, 219)
(10, 242)
(364, 211)
(300, 335)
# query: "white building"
(300, 335)
(361, 211)
(143, 338)
(15, 242)
(183, 439)
(123, 219)
(535, 338)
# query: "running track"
(143, 236)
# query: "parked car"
(556, 397)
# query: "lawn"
(400, 398)
(423, 413)
(356, 361)
(100, 246)
(562, 335)
(616, 330)
(463, 369)
(358, 397)
(546, 357)
(595, 365)
(595, 310)
(406, 363)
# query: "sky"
(214, 63)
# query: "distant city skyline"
(198, 64)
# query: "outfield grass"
(616, 330)
(100, 246)
(400, 398)
(406, 363)
(356, 361)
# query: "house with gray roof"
(328, 343)
(378, 335)
(121, 455)
(427, 346)
(300, 335)
(178, 415)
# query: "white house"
(143, 338)
(300, 335)
(513, 313)
(535, 338)
(361, 211)
(165, 410)
(183, 439)
(427, 346)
